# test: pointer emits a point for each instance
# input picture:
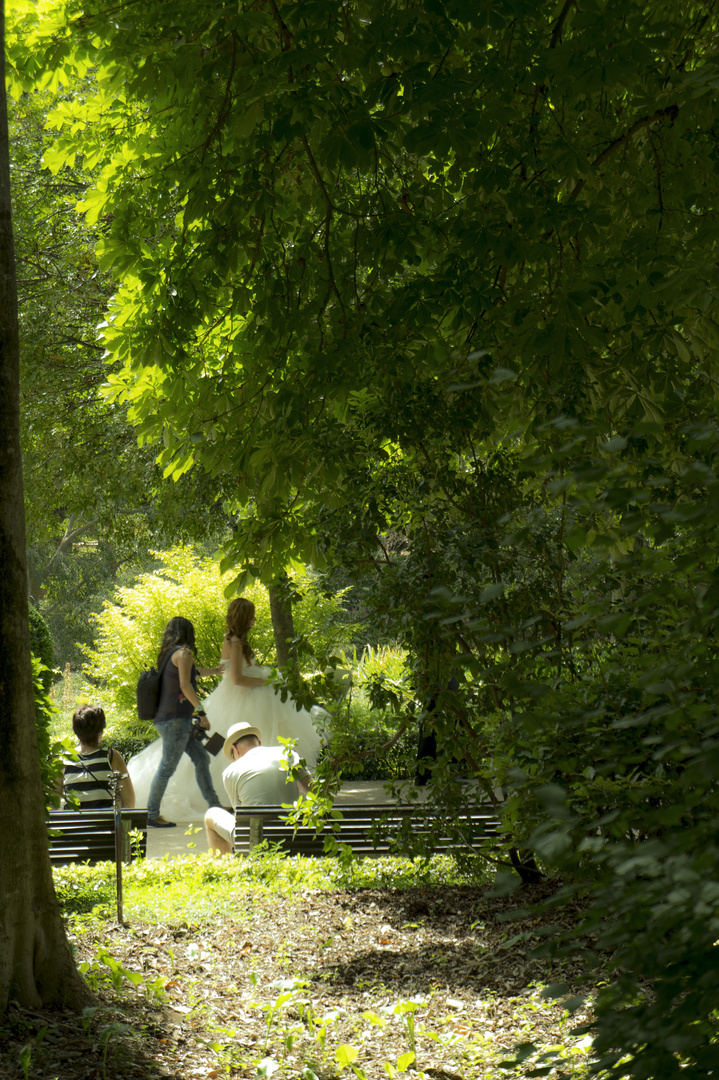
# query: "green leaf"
(346, 1055)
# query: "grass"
(198, 887)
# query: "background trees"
(385, 247)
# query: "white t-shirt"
(260, 776)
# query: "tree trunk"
(283, 627)
(36, 966)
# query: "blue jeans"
(176, 741)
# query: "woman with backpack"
(178, 704)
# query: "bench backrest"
(376, 829)
(89, 835)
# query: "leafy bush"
(130, 627)
(203, 888)
(129, 745)
(41, 645)
(51, 751)
(364, 734)
(364, 727)
(81, 888)
(363, 742)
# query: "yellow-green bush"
(130, 627)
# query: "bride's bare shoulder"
(229, 642)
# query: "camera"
(198, 732)
(213, 742)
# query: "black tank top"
(172, 701)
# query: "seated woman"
(88, 777)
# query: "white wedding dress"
(228, 704)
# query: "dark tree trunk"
(524, 863)
(283, 626)
(36, 966)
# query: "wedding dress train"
(228, 704)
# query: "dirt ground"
(310, 984)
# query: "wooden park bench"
(89, 835)
(358, 827)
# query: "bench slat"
(356, 827)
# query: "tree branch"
(318, 176)
(559, 24)
(670, 111)
(286, 35)
(336, 762)
(224, 107)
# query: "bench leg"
(256, 831)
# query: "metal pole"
(115, 779)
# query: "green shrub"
(51, 752)
(41, 645)
(363, 734)
(81, 888)
(198, 887)
(364, 726)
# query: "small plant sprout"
(403, 1063)
(267, 1067)
(407, 1009)
(87, 1014)
(346, 1055)
(373, 1019)
(24, 1058)
(289, 989)
(304, 1008)
(105, 1034)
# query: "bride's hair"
(239, 618)
(178, 632)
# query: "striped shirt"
(88, 779)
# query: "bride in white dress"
(243, 694)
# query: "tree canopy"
(363, 254)
(346, 235)
(93, 499)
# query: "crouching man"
(256, 776)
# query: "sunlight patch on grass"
(199, 887)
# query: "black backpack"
(148, 689)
